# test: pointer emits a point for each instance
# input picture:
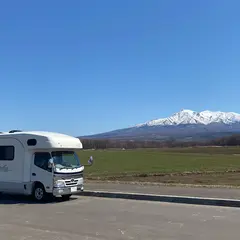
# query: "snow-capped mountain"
(186, 116)
(184, 125)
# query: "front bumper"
(67, 190)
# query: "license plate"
(73, 189)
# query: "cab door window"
(41, 160)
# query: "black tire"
(66, 197)
(39, 194)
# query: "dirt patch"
(231, 178)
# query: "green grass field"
(206, 165)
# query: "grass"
(205, 165)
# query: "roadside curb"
(164, 198)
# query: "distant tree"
(233, 140)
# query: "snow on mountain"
(186, 116)
(186, 125)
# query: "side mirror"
(50, 163)
(90, 161)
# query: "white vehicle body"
(24, 162)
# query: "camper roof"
(43, 140)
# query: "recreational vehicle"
(40, 164)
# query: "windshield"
(65, 159)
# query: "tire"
(66, 197)
(39, 194)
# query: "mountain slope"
(184, 125)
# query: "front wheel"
(39, 193)
(66, 197)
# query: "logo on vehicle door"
(4, 168)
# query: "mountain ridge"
(185, 125)
(186, 116)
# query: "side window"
(6, 153)
(41, 160)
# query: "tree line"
(233, 140)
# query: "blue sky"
(84, 67)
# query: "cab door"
(40, 171)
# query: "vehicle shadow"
(9, 199)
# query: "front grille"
(70, 182)
(69, 176)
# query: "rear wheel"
(66, 197)
(39, 193)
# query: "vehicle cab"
(56, 165)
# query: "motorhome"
(40, 164)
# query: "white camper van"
(40, 164)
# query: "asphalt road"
(227, 193)
(115, 219)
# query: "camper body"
(40, 164)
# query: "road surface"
(115, 219)
(228, 193)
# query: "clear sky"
(84, 67)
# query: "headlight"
(59, 184)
